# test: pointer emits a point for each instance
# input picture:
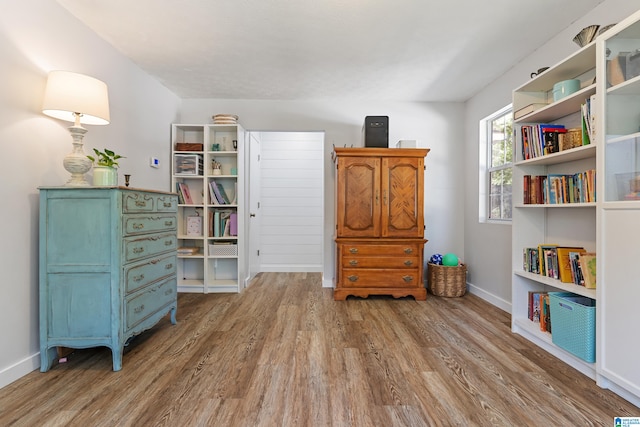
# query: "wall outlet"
(154, 162)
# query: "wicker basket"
(445, 281)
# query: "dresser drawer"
(379, 278)
(146, 246)
(166, 203)
(133, 201)
(350, 261)
(382, 250)
(149, 301)
(143, 224)
(142, 273)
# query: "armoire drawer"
(143, 224)
(149, 301)
(350, 261)
(146, 246)
(142, 273)
(380, 249)
(379, 278)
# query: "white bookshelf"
(609, 226)
(219, 265)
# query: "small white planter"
(105, 176)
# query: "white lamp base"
(77, 163)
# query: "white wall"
(432, 125)
(37, 36)
(488, 246)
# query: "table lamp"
(81, 100)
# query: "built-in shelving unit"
(607, 226)
(618, 233)
(572, 224)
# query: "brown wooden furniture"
(380, 222)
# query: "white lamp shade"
(68, 93)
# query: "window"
(497, 130)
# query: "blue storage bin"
(573, 324)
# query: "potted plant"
(105, 168)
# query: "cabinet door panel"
(402, 202)
(358, 205)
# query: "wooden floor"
(283, 353)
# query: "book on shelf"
(530, 261)
(551, 138)
(224, 194)
(588, 268)
(545, 313)
(188, 250)
(184, 194)
(565, 262)
(233, 224)
(533, 139)
(213, 200)
(534, 305)
(213, 185)
(180, 195)
(220, 223)
(546, 254)
(588, 120)
(528, 109)
(559, 188)
(576, 270)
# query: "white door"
(254, 203)
(287, 198)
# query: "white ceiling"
(416, 50)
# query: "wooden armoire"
(380, 222)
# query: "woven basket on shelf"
(445, 281)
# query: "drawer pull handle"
(139, 309)
(138, 250)
(168, 291)
(407, 279)
(353, 250)
(168, 266)
(408, 262)
(138, 278)
(138, 226)
(168, 223)
(168, 243)
(408, 250)
(353, 262)
(353, 278)
(141, 203)
(167, 204)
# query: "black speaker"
(375, 131)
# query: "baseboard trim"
(489, 297)
(19, 370)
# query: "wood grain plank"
(283, 352)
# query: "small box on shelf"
(189, 146)
(223, 249)
(188, 164)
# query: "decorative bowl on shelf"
(565, 88)
(605, 28)
(586, 35)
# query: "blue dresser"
(107, 266)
